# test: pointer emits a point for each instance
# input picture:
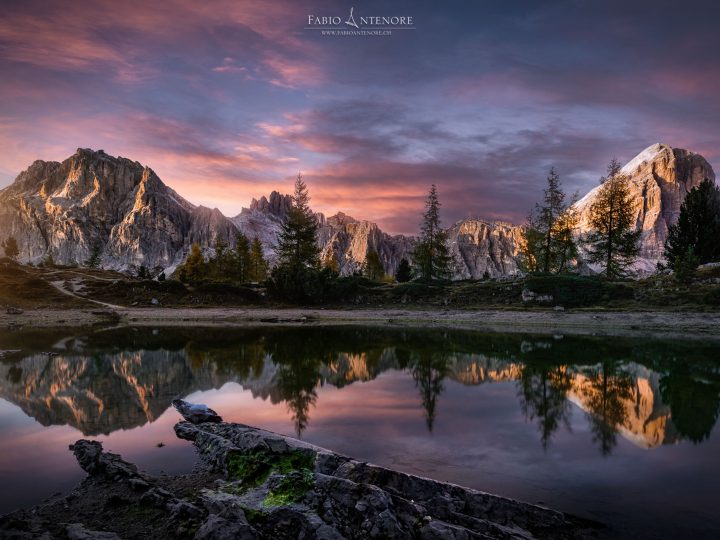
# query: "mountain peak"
(651, 153)
(340, 219)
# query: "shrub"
(575, 291)
(299, 284)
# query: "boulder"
(196, 413)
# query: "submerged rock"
(197, 413)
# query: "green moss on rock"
(292, 488)
(254, 467)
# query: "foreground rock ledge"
(261, 485)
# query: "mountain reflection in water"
(651, 393)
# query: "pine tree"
(613, 240)
(241, 258)
(258, 265)
(193, 269)
(10, 246)
(404, 272)
(695, 238)
(94, 259)
(219, 263)
(297, 245)
(373, 268)
(549, 243)
(431, 255)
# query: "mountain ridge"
(92, 199)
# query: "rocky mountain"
(348, 240)
(480, 247)
(93, 199)
(660, 177)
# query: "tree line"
(550, 242)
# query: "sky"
(227, 100)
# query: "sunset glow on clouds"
(228, 100)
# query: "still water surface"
(618, 430)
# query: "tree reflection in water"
(606, 389)
(660, 391)
(543, 396)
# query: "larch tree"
(193, 269)
(241, 258)
(373, 268)
(548, 237)
(220, 264)
(10, 246)
(613, 239)
(258, 264)
(431, 255)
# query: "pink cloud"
(229, 65)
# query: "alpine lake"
(622, 431)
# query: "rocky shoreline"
(254, 484)
(686, 325)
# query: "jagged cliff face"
(91, 198)
(660, 177)
(483, 249)
(348, 241)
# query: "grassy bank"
(66, 288)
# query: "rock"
(347, 241)
(660, 177)
(218, 528)
(195, 412)
(531, 296)
(76, 531)
(183, 510)
(155, 497)
(558, 308)
(317, 493)
(154, 302)
(94, 461)
(93, 198)
(278, 487)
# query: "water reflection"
(543, 396)
(649, 393)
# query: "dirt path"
(60, 286)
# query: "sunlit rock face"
(480, 248)
(93, 199)
(660, 178)
(642, 417)
(90, 199)
(348, 241)
(263, 220)
(97, 395)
